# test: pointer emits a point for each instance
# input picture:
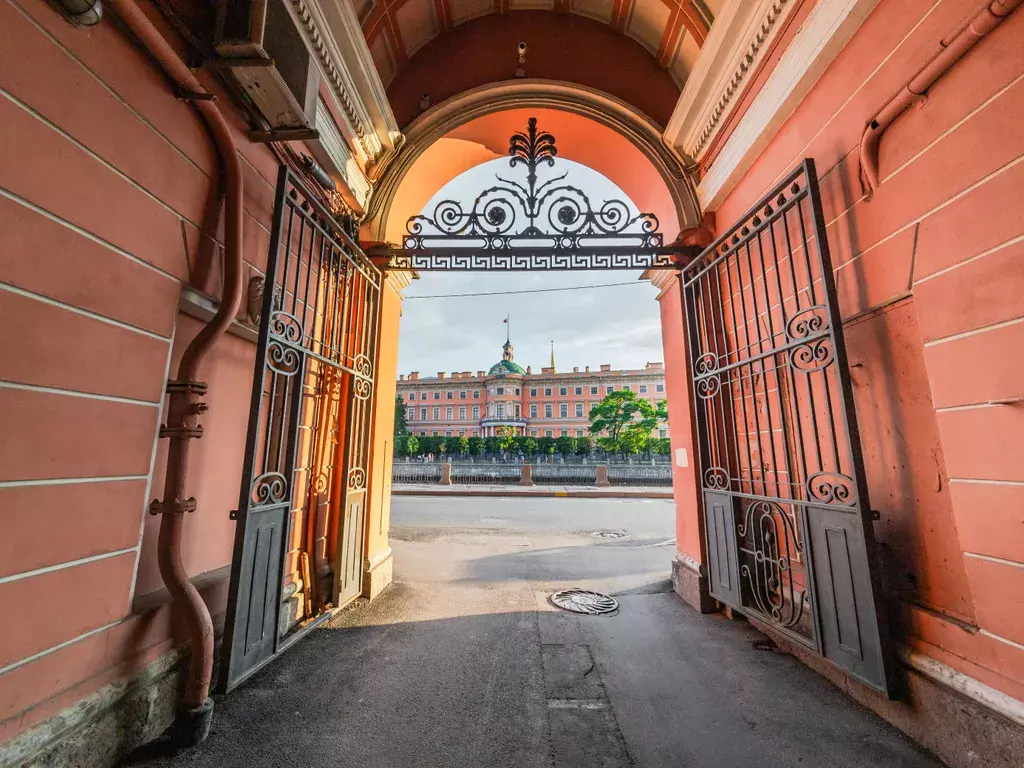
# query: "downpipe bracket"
(176, 507)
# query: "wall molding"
(742, 34)
(824, 33)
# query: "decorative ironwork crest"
(533, 224)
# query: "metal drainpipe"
(964, 39)
(193, 724)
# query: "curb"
(539, 493)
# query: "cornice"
(333, 35)
(741, 34)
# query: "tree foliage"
(401, 423)
(623, 423)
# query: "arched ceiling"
(638, 50)
(578, 138)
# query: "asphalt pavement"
(464, 662)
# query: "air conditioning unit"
(274, 66)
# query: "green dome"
(506, 367)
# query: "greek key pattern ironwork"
(532, 225)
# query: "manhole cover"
(610, 534)
(584, 601)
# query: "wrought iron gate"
(310, 413)
(786, 513)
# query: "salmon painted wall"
(598, 57)
(930, 275)
(105, 211)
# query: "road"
(464, 663)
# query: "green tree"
(584, 445)
(491, 444)
(476, 446)
(623, 421)
(506, 439)
(566, 445)
(529, 446)
(412, 446)
(546, 446)
(462, 446)
(401, 423)
(442, 446)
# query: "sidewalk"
(571, 491)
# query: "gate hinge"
(186, 432)
(233, 514)
(875, 514)
(172, 507)
(189, 387)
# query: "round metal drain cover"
(584, 601)
(610, 534)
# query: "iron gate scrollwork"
(302, 502)
(530, 224)
(787, 520)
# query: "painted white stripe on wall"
(68, 481)
(47, 651)
(988, 634)
(982, 481)
(64, 566)
(79, 311)
(989, 558)
(14, 197)
(98, 158)
(972, 259)
(974, 332)
(74, 393)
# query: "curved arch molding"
(602, 108)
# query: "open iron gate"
(307, 450)
(787, 520)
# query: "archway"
(594, 129)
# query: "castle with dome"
(508, 397)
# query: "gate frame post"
(689, 577)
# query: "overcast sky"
(617, 325)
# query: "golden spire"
(552, 354)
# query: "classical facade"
(507, 396)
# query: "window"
(449, 395)
(462, 394)
(643, 389)
(447, 433)
(499, 391)
(609, 390)
(476, 393)
(547, 391)
(476, 433)
(563, 410)
(462, 413)
(533, 411)
(590, 410)
(533, 391)
(517, 410)
(517, 390)
(659, 387)
(437, 413)
(662, 433)
(437, 395)
(423, 414)
(462, 433)
(563, 391)
(449, 413)
(579, 390)
(476, 411)
(579, 433)
(501, 410)
(548, 433)
(563, 432)
(423, 433)
(547, 410)
(579, 410)
(593, 390)
(410, 413)
(435, 433)
(533, 433)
